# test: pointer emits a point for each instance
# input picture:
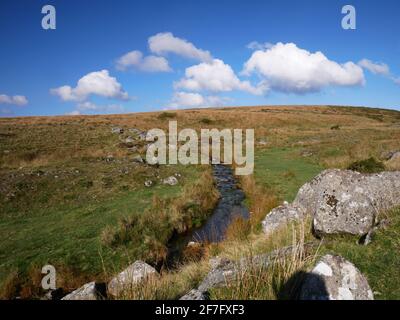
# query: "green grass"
(379, 261)
(284, 170)
(69, 235)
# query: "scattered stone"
(129, 140)
(306, 154)
(262, 142)
(134, 274)
(117, 130)
(139, 133)
(148, 183)
(90, 291)
(172, 181)
(110, 158)
(335, 278)
(138, 159)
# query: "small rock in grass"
(172, 181)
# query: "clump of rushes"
(260, 201)
(370, 165)
(165, 216)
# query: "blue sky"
(199, 55)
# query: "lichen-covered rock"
(349, 202)
(194, 295)
(335, 278)
(89, 291)
(340, 202)
(281, 216)
(134, 274)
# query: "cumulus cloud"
(375, 67)
(287, 68)
(13, 100)
(215, 76)
(135, 60)
(95, 83)
(164, 43)
(196, 100)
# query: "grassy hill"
(69, 186)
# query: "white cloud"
(396, 81)
(135, 60)
(14, 100)
(375, 67)
(95, 83)
(164, 43)
(254, 45)
(287, 68)
(215, 76)
(195, 100)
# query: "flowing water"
(229, 206)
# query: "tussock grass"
(170, 285)
(153, 228)
(279, 279)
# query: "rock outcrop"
(340, 202)
(335, 278)
(89, 291)
(134, 274)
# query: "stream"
(229, 206)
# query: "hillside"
(73, 192)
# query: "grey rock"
(388, 155)
(262, 142)
(117, 130)
(281, 216)
(335, 278)
(138, 159)
(172, 181)
(129, 140)
(89, 291)
(395, 156)
(110, 158)
(340, 202)
(194, 295)
(148, 183)
(134, 274)
(140, 134)
(349, 202)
